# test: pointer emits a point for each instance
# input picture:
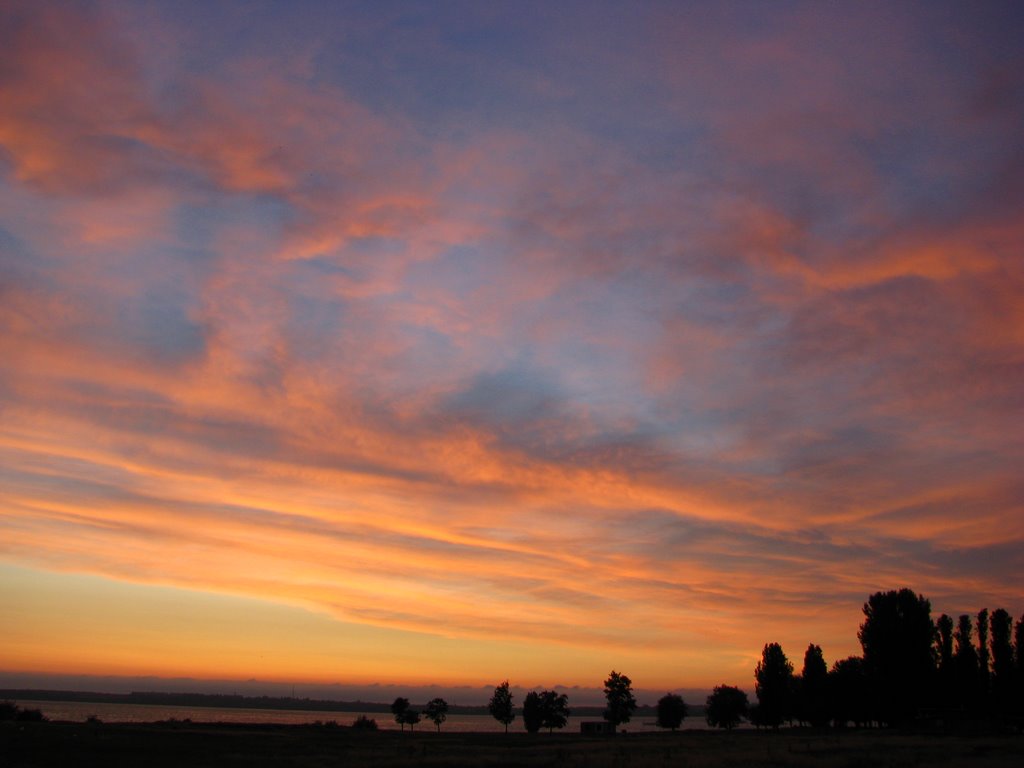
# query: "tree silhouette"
(1002, 660)
(1018, 645)
(944, 652)
(725, 707)
(546, 709)
(813, 689)
(898, 638)
(754, 716)
(671, 711)
(400, 708)
(437, 711)
(618, 690)
(554, 709)
(411, 717)
(945, 648)
(500, 705)
(364, 723)
(848, 692)
(983, 657)
(965, 664)
(909, 661)
(774, 685)
(533, 712)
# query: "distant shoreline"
(237, 701)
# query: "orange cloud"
(528, 391)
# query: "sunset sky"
(452, 342)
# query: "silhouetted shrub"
(364, 723)
(8, 710)
(30, 716)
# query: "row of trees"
(909, 663)
(435, 711)
(550, 709)
(543, 709)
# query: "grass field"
(41, 745)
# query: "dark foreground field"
(112, 745)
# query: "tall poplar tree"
(945, 648)
(773, 677)
(812, 692)
(1001, 624)
(983, 655)
(965, 664)
(946, 694)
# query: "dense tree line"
(911, 668)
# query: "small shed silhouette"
(597, 727)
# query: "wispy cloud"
(711, 345)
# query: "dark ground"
(41, 745)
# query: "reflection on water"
(79, 711)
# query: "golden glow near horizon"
(439, 349)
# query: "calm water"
(79, 711)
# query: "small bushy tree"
(437, 712)
(533, 712)
(500, 705)
(400, 708)
(364, 723)
(555, 710)
(725, 707)
(411, 718)
(546, 709)
(618, 691)
(671, 711)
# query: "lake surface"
(80, 711)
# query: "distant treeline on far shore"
(236, 701)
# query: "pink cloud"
(264, 339)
